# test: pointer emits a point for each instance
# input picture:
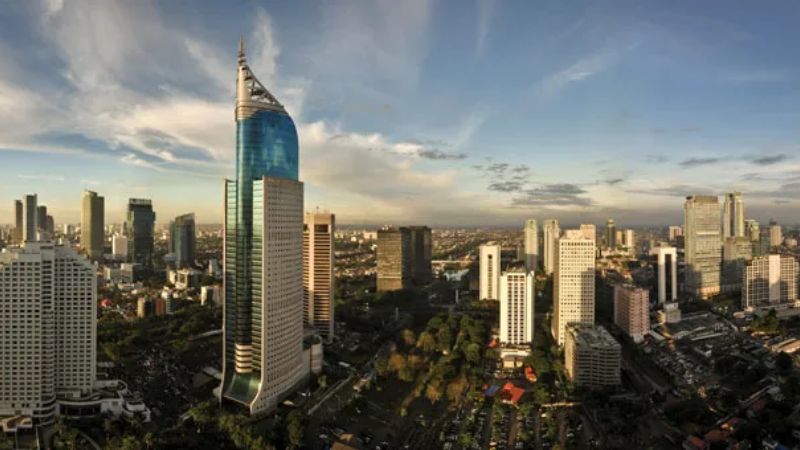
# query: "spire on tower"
(241, 50)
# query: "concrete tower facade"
(550, 233)
(318, 279)
(531, 245)
(92, 224)
(516, 307)
(703, 242)
(573, 281)
(490, 271)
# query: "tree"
(149, 440)
(396, 362)
(294, 426)
(322, 381)
(426, 342)
(408, 337)
(473, 353)
(444, 339)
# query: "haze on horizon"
(445, 113)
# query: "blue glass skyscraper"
(263, 260)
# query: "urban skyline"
(554, 144)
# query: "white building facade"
(516, 307)
(573, 281)
(531, 245)
(489, 271)
(550, 233)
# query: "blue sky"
(458, 113)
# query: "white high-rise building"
(573, 281)
(531, 245)
(769, 281)
(516, 307)
(550, 233)
(48, 344)
(489, 271)
(119, 246)
(733, 216)
(318, 279)
(674, 232)
(703, 244)
(667, 260)
(775, 235)
(628, 240)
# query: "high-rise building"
(531, 245)
(516, 307)
(775, 235)
(93, 224)
(29, 218)
(733, 216)
(119, 247)
(703, 245)
(141, 225)
(611, 234)
(770, 281)
(18, 227)
(573, 281)
(489, 271)
(736, 252)
(421, 244)
(667, 261)
(674, 232)
(49, 294)
(41, 218)
(183, 240)
(752, 229)
(629, 240)
(318, 279)
(403, 258)
(592, 357)
(632, 310)
(263, 253)
(550, 233)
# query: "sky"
(438, 112)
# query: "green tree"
(322, 381)
(426, 342)
(294, 426)
(444, 339)
(409, 338)
(473, 353)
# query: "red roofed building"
(511, 394)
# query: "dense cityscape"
(277, 327)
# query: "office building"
(733, 216)
(752, 230)
(667, 264)
(48, 305)
(318, 279)
(632, 310)
(573, 281)
(592, 357)
(489, 271)
(183, 240)
(263, 253)
(703, 243)
(629, 240)
(775, 235)
(736, 252)
(29, 218)
(531, 247)
(550, 233)
(119, 247)
(140, 224)
(675, 231)
(611, 234)
(421, 244)
(93, 224)
(392, 259)
(18, 226)
(770, 281)
(516, 307)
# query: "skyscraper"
(29, 218)
(516, 307)
(263, 253)
(421, 253)
(41, 218)
(632, 310)
(49, 294)
(573, 281)
(183, 240)
(752, 229)
(674, 232)
(550, 234)
(531, 245)
(119, 247)
(775, 235)
(703, 245)
(18, 227)
(318, 279)
(611, 234)
(667, 261)
(93, 224)
(736, 252)
(733, 216)
(392, 259)
(770, 281)
(489, 271)
(141, 224)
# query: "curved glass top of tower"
(266, 145)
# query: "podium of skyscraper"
(263, 253)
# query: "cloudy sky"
(445, 112)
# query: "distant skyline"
(443, 113)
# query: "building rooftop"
(593, 336)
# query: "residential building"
(632, 310)
(770, 281)
(592, 357)
(318, 279)
(93, 224)
(531, 248)
(183, 240)
(262, 359)
(703, 243)
(667, 263)
(736, 252)
(775, 235)
(489, 271)
(550, 233)
(140, 227)
(573, 281)
(629, 240)
(119, 247)
(516, 307)
(733, 216)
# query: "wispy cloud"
(697, 162)
(41, 177)
(766, 160)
